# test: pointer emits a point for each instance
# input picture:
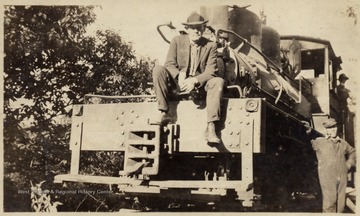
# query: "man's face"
(195, 32)
(331, 132)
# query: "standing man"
(335, 157)
(343, 93)
(190, 64)
(346, 107)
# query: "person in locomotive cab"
(190, 64)
(343, 93)
(335, 158)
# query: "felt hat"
(195, 19)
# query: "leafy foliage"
(41, 200)
(49, 65)
(111, 165)
(351, 13)
(41, 54)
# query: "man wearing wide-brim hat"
(190, 64)
(335, 157)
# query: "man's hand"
(307, 127)
(181, 77)
(348, 166)
(188, 84)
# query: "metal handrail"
(236, 87)
(252, 46)
(160, 32)
(120, 97)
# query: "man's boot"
(210, 134)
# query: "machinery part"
(251, 105)
(270, 44)
(142, 151)
(160, 32)
(220, 31)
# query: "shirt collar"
(337, 139)
(194, 44)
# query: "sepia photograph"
(179, 107)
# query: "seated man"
(190, 64)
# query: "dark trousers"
(165, 85)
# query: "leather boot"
(210, 134)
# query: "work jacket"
(334, 156)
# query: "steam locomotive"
(274, 83)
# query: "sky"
(136, 22)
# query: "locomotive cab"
(314, 65)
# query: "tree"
(351, 13)
(50, 64)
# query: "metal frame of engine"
(125, 127)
